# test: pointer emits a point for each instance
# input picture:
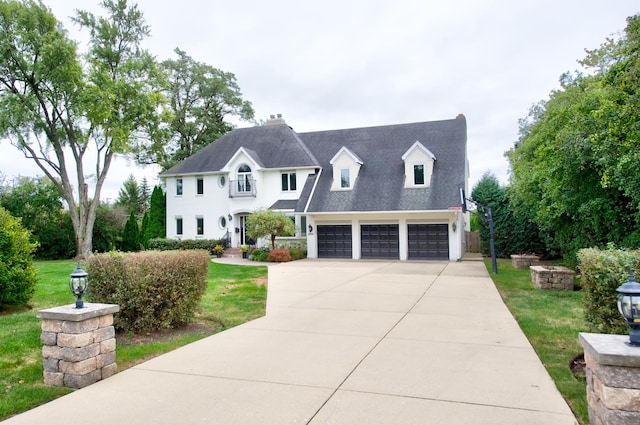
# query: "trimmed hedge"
(155, 290)
(185, 244)
(603, 271)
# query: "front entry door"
(244, 238)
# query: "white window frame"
(286, 179)
(199, 186)
(345, 178)
(199, 225)
(180, 226)
(415, 174)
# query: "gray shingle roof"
(284, 204)
(380, 182)
(271, 146)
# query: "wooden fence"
(472, 241)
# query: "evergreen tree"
(157, 214)
(130, 196)
(145, 194)
(144, 231)
(130, 236)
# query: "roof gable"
(272, 147)
(417, 146)
(251, 154)
(346, 152)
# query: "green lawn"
(551, 320)
(235, 294)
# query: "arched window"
(244, 178)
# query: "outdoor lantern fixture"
(454, 226)
(629, 307)
(79, 284)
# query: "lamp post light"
(79, 283)
(629, 307)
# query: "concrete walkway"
(343, 342)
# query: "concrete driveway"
(343, 342)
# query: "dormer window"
(418, 166)
(346, 166)
(418, 174)
(345, 178)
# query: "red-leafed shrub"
(279, 255)
(155, 290)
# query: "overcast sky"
(342, 64)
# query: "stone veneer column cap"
(72, 314)
(611, 350)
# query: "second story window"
(418, 174)
(179, 187)
(288, 181)
(345, 178)
(200, 186)
(244, 178)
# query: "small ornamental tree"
(130, 236)
(17, 275)
(263, 223)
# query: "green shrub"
(259, 254)
(298, 253)
(186, 244)
(17, 275)
(279, 255)
(603, 271)
(155, 290)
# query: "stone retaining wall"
(613, 379)
(524, 261)
(79, 345)
(552, 277)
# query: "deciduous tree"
(201, 101)
(574, 165)
(72, 114)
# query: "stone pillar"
(613, 379)
(552, 277)
(79, 345)
(524, 261)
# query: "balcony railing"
(242, 188)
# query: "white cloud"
(338, 64)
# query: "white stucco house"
(388, 192)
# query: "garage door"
(380, 241)
(428, 241)
(334, 241)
